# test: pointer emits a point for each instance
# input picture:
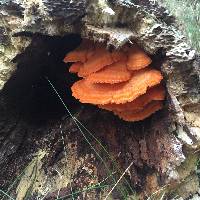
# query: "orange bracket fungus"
(119, 81)
(137, 59)
(154, 93)
(114, 73)
(75, 67)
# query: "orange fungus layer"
(75, 67)
(94, 93)
(114, 73)
(137, 59)
(97, 61)
(148, 110)
(154, 93)
(119, 81)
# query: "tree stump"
(45, 153)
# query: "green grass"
(187, 13)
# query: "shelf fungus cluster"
(120, 81)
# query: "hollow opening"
(29, 91)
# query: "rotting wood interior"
(29, 93)
(28, 90)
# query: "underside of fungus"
(142, 114)
(120, 81)
(152, 94)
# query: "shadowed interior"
(28, 90)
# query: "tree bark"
(47, 154)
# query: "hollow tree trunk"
(47, 154)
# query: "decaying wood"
(42, 145)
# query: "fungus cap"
(137, 59)
(154, 93)
(97, 61)
(75, 67)
(82, 53)
(148, 110)
(76, 56)
(114, 73)
(95, 93)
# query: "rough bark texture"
(44, 154)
